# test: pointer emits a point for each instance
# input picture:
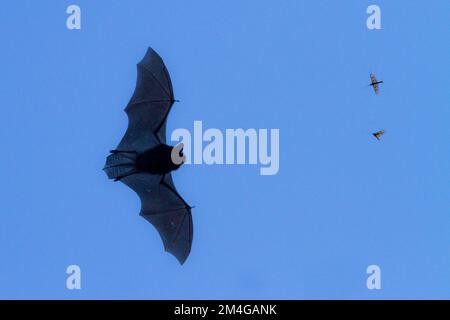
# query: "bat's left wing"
(166, 210)
(149, 106)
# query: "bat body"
(157, 160)
(144, 162)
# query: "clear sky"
(341, 201)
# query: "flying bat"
(144, 162)
(378, 134)
(374, 83)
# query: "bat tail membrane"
(119, 165)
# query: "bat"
(144, 162)
(374, 83)
(378, 134)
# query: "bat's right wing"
(149, 106)
(166, 210)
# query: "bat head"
(177, 156)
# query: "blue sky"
(340, 202)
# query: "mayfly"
(378, 134)
(375, 83)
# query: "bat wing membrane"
(147, 112)
(149, 106)
(166, 210)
